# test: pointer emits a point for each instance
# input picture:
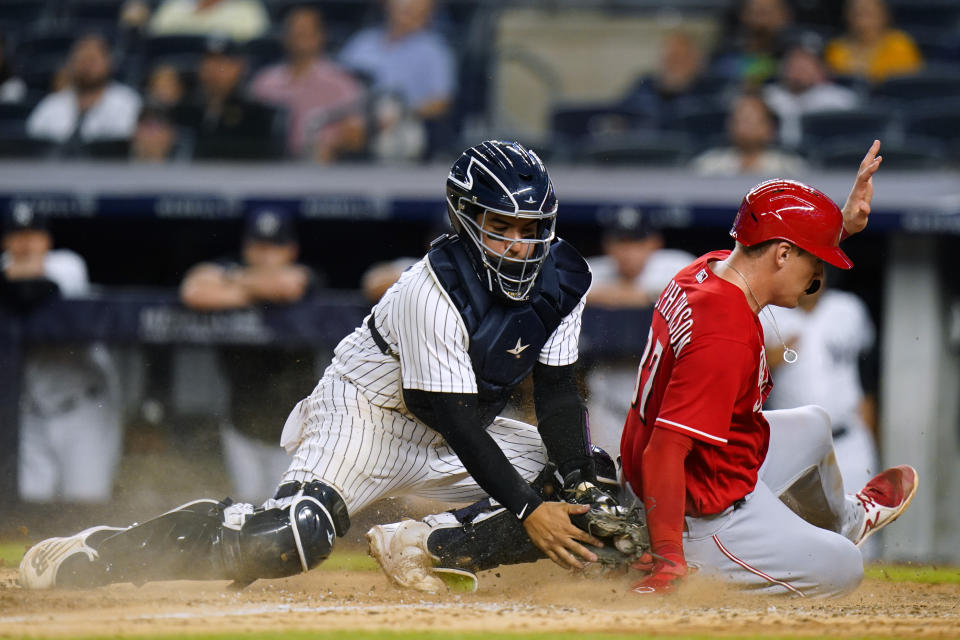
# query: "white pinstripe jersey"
(420, 323)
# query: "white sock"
(853, 515)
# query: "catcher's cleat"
(42, 563)
(401, 551)
(884, 498)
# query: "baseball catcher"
(409, 406)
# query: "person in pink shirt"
(325, 103)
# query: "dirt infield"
(537, 597)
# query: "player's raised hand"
(856, 211)
(549, 528)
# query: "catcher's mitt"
(622, 530)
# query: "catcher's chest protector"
(506, 338)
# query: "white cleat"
(401, 550)
(40, 564)
(884, 498)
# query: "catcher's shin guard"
(209, 540)
(479, 537)
(178, 544)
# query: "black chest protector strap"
(379, 340)
(506, 337)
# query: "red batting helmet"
(792, 211)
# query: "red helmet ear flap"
(792, 211)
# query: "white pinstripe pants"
(367, 453)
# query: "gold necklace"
(790, 355)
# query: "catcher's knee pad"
(280, 542)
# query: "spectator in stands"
(156, 136)
(324, 103)
(225, 124)
(91, 107)
(263, 381)
(632, 272)
(239, 19)
(70, 429)
(751, 53)
(165, 86)
(134, 16)
(677, 77)
(804, 87)
(751, 129)
(412, 65)
(12, 87)
(872, 47)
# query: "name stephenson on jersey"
(422, 326)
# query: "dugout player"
(71, 434)
(754, 497)
(408, 406)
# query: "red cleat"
(884, 498)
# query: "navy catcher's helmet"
(506, 179)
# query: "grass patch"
(914, 573)
(349, 560)
(11, 553)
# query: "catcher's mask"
(502, 178)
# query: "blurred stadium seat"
(14, 112)
(573, 122)
(910, 14)
(865, 123)
(105, 149)
(940, 47)
(92, 13)
(173, 47)
(706, 125)
(941, 121)
(932, 84)
(16, 144)
(665, 149)
(21, 15)
(911, 154)
(44, 43)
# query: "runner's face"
(800, 269)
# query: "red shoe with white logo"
(884, 498)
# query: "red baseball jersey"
(703, 374)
